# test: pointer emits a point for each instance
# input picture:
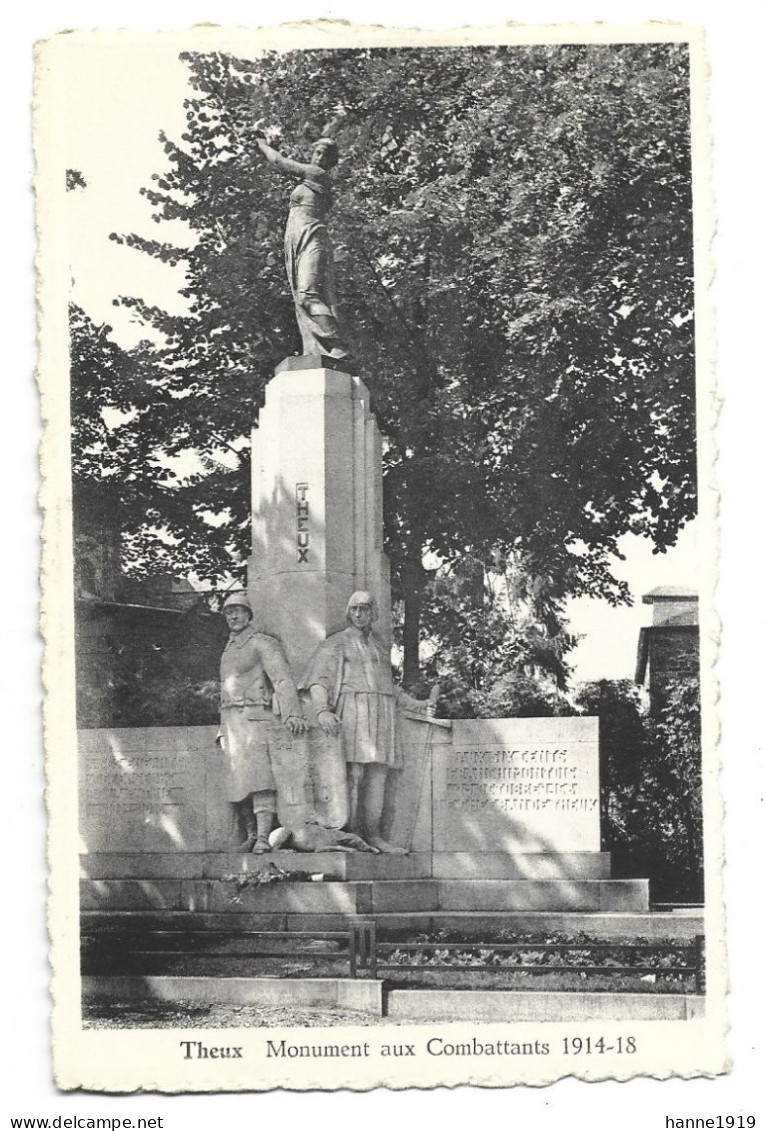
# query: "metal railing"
(366, 955)
(122, 948)
(372, 953)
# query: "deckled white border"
(125, 1060)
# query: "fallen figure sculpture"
(313, 837)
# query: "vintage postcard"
(379, 549)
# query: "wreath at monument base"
(270, 874)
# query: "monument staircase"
(475, 894)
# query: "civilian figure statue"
(308, 249)
(255, 686)
(352, 691)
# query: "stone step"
(521, 866)
(355, 994)
(513, 1006)
(367, 897)
(542, 895)
(214, 865)
(350, 865)
(650, 925)
(367, 996)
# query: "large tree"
(513, 228)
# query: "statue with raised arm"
(308, 254)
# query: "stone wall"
(151, 789)
(493, 785)
(673, 653)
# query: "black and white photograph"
(379, 499)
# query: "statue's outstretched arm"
(277, 669)
(287, 166)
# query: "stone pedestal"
(316, 508)
(500, 816)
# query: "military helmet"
(237, 601)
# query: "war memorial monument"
(395, 820)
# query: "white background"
(735, 31)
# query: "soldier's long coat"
(256, 687)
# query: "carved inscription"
(146, 791)
(150, 790)
(303, 534)
(511, 779)
(136, 784)
(518, 785)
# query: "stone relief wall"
(493, 785)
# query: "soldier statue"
(256, 688)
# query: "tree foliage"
(670, 800)
(513, 231)
(118, 444)
(624, 750)
(651, 800)
(149, 671)
(496, 648)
